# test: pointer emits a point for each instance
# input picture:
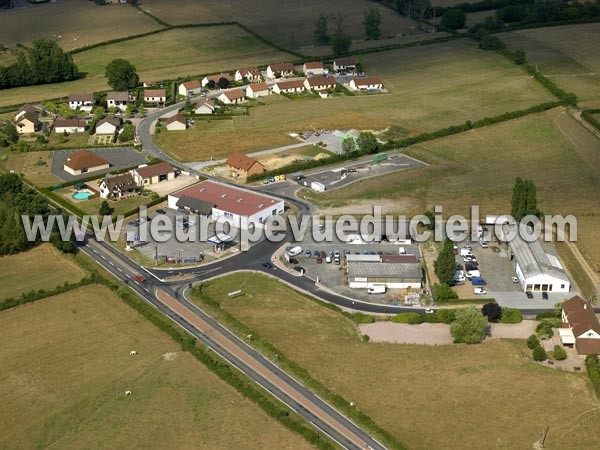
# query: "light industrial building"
(403, 272)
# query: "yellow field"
(444, 397)
(68, 366)
(42, 267)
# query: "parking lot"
(118, 158)
(333, 177)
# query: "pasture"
(431, 87)
(449, 396)
(68, 366)
(290, 28)
(42, 267)
(569, 55)
(165, 55)
(35, 166)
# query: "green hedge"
(511, 315)
(588, 115)
(593, 371)
(411, 318)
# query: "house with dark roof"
(249, 74)
(115, 187)
(84, 162)
(26, 120)
(580, 326)
(206, 81)
(118, 99)
(189, 88)
(242, 166)
(320, 83)
(176, 123)
(155, 173)
(69, 125)
(83, 102)
(108, 126)
(345, 64)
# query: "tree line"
(45, 62)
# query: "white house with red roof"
(189, 88)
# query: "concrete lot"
(365, 168)
(118, 158)
(169, 186)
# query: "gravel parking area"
(402, 333)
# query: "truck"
(376, 290)
(380, 157)
(318, 187)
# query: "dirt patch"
(170, 356)
(272, 162)
(520, 330)
(402, 333)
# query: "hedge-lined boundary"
(588, 115)
(558, 23)
(297, 370)
(57, 199)
(593, 371)
(33, 296)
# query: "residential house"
(118, 99)
(249, 74)
(155, 96)
(116, 187)
(289, 87)
(280, 70)
(69, 126)
(176, 123)
(242, 166)
(345, 65)
(320, 83)
(153, 174)
(232, 97)
(365, 84)
(215, 78)
(108, 126)
(204, 106)
(84, 161)
(257, 90)
(313, 68)
(26, 120)
(190, 88)
(580, 326)
(83, 102)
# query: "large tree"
(453, 19)
(121, 75)
(372, 22)
(367, 143)
(321, 29)
(445, 264)
(469, 326)
(340, 43)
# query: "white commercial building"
(403, 273)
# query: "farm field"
(431, 87)
(265, 18)
(42, 267)
(164, 55)
(68, 367)
(34, 165)
(569, 55)
(77, 23)
(480, 396)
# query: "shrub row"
(593, 371)
(446, 316)
(548, 315)
(588, 115)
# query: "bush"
(559, 353)
(593, 370)
(489, 42)
(469, 326)
(533, 341)
(539, 354)
(547, 315)
(511, 315)
(443, 292)
(544, 328)
(411, 318)
(362, 318)
(453, 19)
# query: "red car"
(319, 260)
(139, 278)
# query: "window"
(228, 215)
(562, 286)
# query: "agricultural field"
(68, 367)
(431, 87)
(42, 267)
(165, 55)
(449, 396)
(35, 166)
(290, 29)
(569, 55)
(72, 23)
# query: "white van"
(295, 251)
(376, 290)
(466, 252)
(479, 291)
(473, 274)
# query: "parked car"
(293, 261)
(322, 254)
(336, 254)
(295, 251)
(131, 224)
(429, 311)
(139, 279)
(544, 295)
(477, 281)
(328, 260)
(529, 294)
(268, 265)
(376, 290)
(479, 291)
(515, 280)
(319, 260)
(483, 243)
(330, 254)
(307, 253)
(337, 260)
(317, 253)
(300, 269)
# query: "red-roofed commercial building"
(155, 173)
(241, 208)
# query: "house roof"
(176, 118)
(193, 84)
(229, 198)
(30, 116)
(121, 182)
(71, 123)
(84, 159)
(257, 87)
(205, 102)
(201, 206)
(292, 84)
(234, 94)
(282, 67)
(27, 108)
(321, 81)
(153, 170)
(581, 316)
(241, 161)
(245, 70)
(587, 346)
(81, 97)
(345, 62)
(385, 270)
(155, 93)
(111, 120)
(313, 65)
(366, 81)
(217, 77)
(118, 96)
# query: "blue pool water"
(83, 195)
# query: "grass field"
(34, 165)
(431, 87)
(77, 23)
(169, 54)
(291, 27)
(67, 369)
(569, 55)
(42, 267)
(445, 397)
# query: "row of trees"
(45, 62)
(339, 40)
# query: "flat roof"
(229, 198)
(384, 270)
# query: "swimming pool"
(82, 195)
